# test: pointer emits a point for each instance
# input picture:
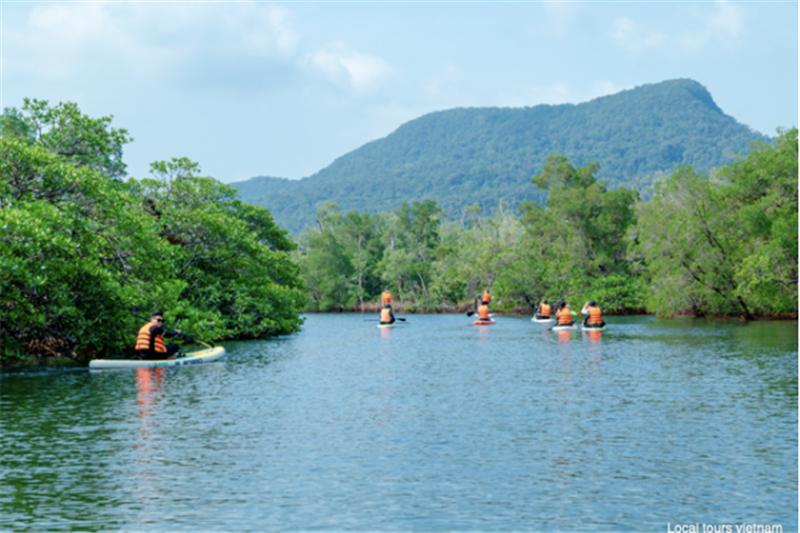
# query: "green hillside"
(467, 155)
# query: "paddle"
(470, 313)
(378, 319)
(182, 335)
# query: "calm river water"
(435, 425)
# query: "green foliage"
(65, 131)
(485, 155)
(80, 249)
(721, 244)
(339, 262)
(66, 253)
(725, 243)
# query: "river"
(435, 425)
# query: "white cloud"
(725, 22)
(342, 65)
(154, 40)
(634, 39)
(559, 17)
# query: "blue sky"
(283, 88)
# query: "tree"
(725, 243)
(234, 260)
(63, 130)
(579, 240)
(413, 238)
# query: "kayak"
(194, 358)
(565, 327)
(543, 320)
(387, 326)
(483, 323)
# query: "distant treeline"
(81, 249)
(720, 243)
(462, 156)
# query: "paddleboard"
(194, 358)
(565, 328)
(593, 328)
(387, 326)
(483, 323)
(543, 320)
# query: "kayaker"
(486, 297)
(386, 297)
(564, 316)
(150, 340)
(593, 317)
(387, 317)
(543, 310)
(483, 312)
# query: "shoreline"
(399, 308)
(68, 360)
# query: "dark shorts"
(171, 349)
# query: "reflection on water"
(436, 425)
(149, 385)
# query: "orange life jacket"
(564, 316)
(594, 316)
(386, 315)
(386, 297)
(486, 296)
(483, 312)
(544, 310)
(143, 340)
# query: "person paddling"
(387, 317)
(150, 340)
(564, 316)
(487, 297)
(386, 297)
(543, 310)
(483, 312)
(594, 318)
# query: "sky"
(282, 89)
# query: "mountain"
(467, 155)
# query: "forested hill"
(467, 155)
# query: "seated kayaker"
(483, 312)
(593, 317)
(387, 317)
(564, 316)
(543, 310)
(150, 340)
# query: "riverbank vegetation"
(718, 243)
(81, 248)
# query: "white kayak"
(387, 326)
(543, 320)
(565, 327)
(194, 358)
